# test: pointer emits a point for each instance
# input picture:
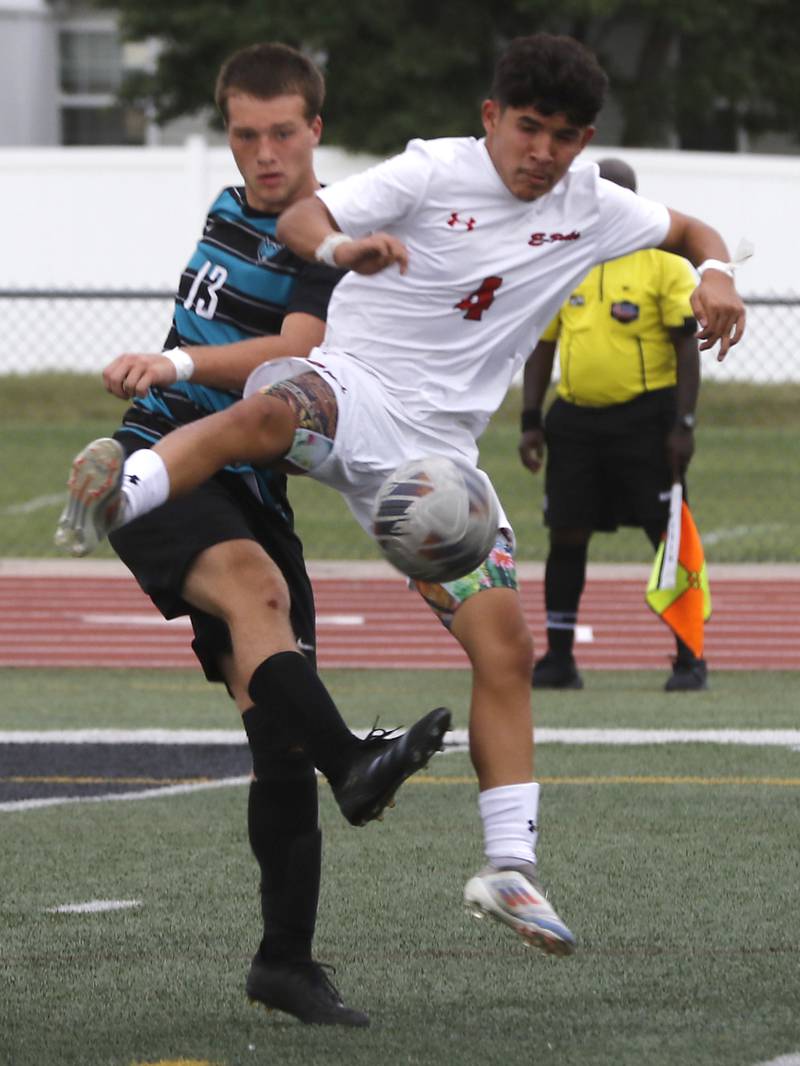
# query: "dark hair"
(268, 70)
(618, 171)
(551, 73)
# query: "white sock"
(145, 485)
(510, 826)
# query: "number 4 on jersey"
(481, 299)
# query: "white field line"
(717, 536)
(38, 503)
(95, 906)
(152, 619)
(782, 738)
(783, 1060)
(153, 793)
(135, 619)
(456, 740)
(363, 570)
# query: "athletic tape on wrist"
(743, 253)
(716, 264)
(182, 361)
(325, 252)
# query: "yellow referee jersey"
(612, 330)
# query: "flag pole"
(669, 566)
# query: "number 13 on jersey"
(215, 277)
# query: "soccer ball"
(435, 519)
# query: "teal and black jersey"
(240, 283)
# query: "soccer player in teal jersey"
(226, 555)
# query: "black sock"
(282, 822)
(684, 652)
(564, 577)
(287, 683)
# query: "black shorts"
(607, 466)
(159, 548)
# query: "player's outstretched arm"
(219, 366)
(308, 228)
(716, 303)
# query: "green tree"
(680, 71)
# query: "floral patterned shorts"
(497, 571)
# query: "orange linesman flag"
(680, 594)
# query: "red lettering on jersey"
(538, 239)
(481, 299)
(454, 220)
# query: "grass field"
(676, 865)
(744, 481)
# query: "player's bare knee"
(504, 652)
(236, 581)
(263, 591)
(512, 655)
(276, 424)
(264, 425)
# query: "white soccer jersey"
(486, 273)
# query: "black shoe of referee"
(302, 989)
(556, 671)
(382, 763)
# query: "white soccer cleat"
(93, 500)
(514, 897)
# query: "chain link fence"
(744, 479)
(82, 330)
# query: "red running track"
(105, 620)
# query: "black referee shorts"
(607, 466)
(159, 548)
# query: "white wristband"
(182, 361)
(716, 264)
(324, 254)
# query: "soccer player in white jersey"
(460, 251)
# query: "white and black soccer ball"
(435, 519)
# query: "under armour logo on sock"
(134, 479)
(532, 826)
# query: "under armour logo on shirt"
(466, 223)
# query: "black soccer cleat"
(302, 989)
(382, 763)
(556, 671)
(688, 675)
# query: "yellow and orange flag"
(678, 587)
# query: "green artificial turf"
(676, 865)
(181, 699)
(744, 481)
(683, 898)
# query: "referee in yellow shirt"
(619, 431)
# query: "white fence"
(126, 218)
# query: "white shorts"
(373, 436)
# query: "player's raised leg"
(103, 495)
(93, 497)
